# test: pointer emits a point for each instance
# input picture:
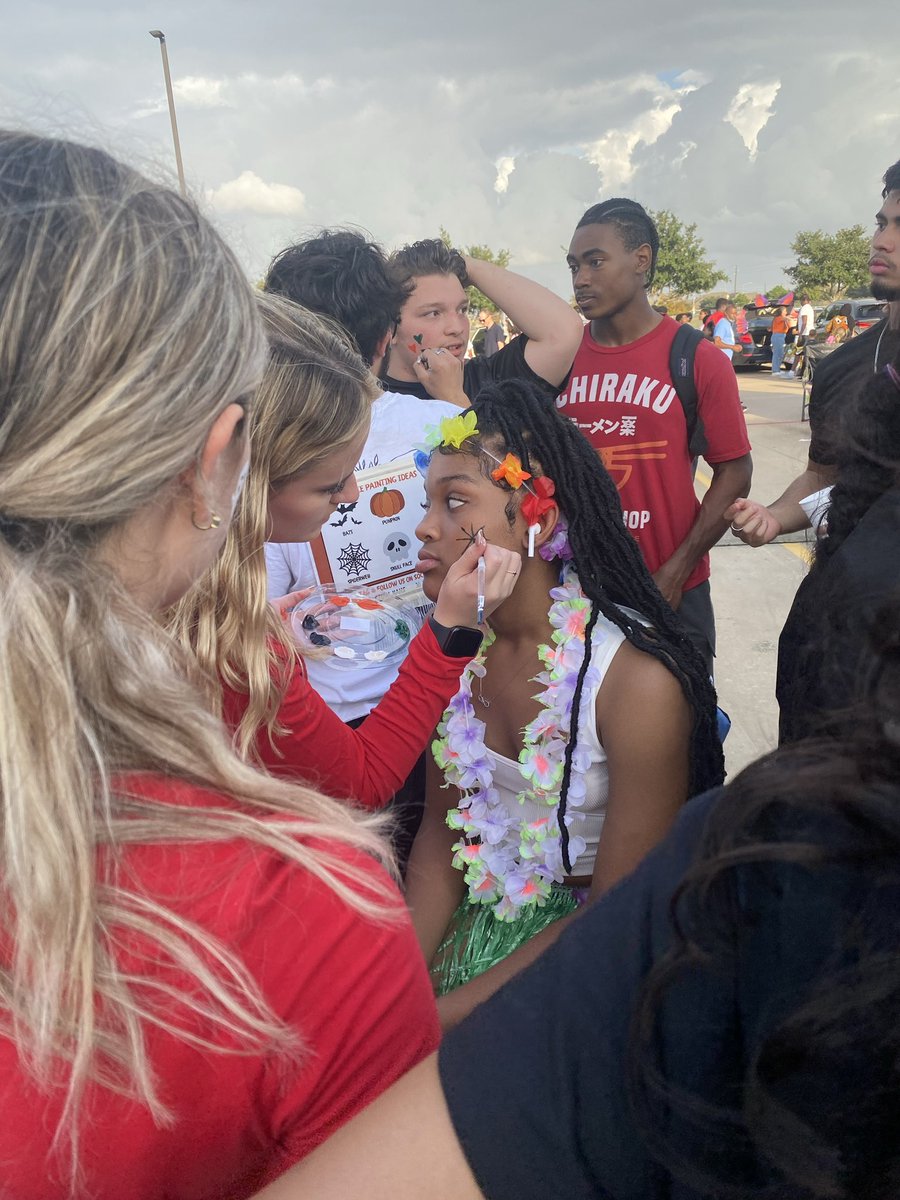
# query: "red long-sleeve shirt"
(367, 764)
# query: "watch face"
(462, 642)
(353, 630)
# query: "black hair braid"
(608, 562)
(573, 738)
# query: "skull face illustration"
(397, 546)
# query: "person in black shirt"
(494, 335)
(837, 377)
(724, 1022)
(431, 340)
(824, 661)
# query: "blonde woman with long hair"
(204, 970)
(309, 422)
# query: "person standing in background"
(620, 392)
(780, 327)
(711, 319)
(724, 335)
(494, 336)
(806, 318)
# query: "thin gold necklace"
(482, 699)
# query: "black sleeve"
(534, 1079)
(821, 417)
(508, 363)
(835, 381)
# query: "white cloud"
(750, 110)
(198, 92)
(382, 131)
(250, 194)
(289, 83)
(505, 167)
(684, 150)
(613, 153)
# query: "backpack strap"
(681, 369)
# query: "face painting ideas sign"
(372, 542)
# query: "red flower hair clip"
(538, 501)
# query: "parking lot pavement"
(753, 588)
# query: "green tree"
(829, 264)
(478, 300)
(681, 268)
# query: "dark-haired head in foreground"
(342, 275)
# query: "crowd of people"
(475, 917)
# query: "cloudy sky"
(501, 121)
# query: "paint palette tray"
(354, 630)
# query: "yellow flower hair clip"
(453, 431)
(510, 471)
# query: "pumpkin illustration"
(387, 503)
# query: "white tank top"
(606, 640)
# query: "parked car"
(863, 313)
(755, 341)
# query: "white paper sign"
(372, 543)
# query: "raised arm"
(553, 328)
(758, 524)
(370, 763)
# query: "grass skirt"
(476, 941)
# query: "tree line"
(827, 265)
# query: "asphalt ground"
(752, 589)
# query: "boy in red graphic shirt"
(621, 395)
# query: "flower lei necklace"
(511, 861)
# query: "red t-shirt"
(369, 764)
(623, 400)
(356, 991)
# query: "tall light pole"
(158, 33)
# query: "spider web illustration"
(354, 560)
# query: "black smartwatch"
(459, 642)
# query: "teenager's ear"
(643, 257)
(547, 523)
(381, 349)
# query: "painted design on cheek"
(412, 347)
(419, 337)
(470, 535)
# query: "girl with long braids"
(587, 719)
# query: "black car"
(755, 344)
